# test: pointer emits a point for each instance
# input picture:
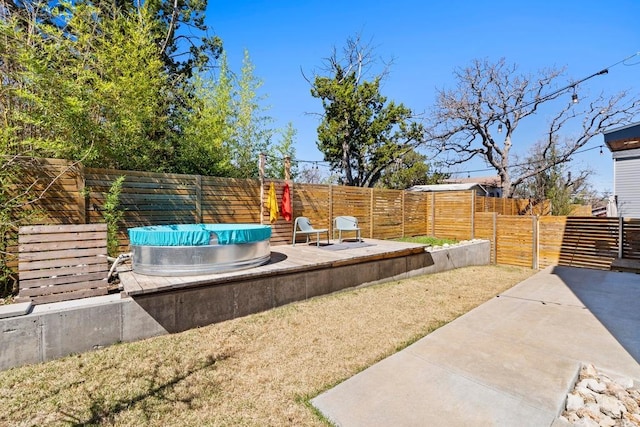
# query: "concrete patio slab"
(510, 361)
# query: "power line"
(545, 97)
(527, 163)
(573, 85)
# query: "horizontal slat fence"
(452, 214)
(314, 202)
(416, 214)
(351, 201)
(146, 198)
(589, 242)
(62, 262)
(578, 241)
(230, 200)
(631, 247)
(485, 228)
(55, 188)
(496, 204)
(551, 234)
(386, 215)
(77, 196)
(515, 240)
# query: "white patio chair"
(302, 225)
(346, 223)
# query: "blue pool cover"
(198, 234)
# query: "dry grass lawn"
(258, 370)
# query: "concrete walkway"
(509, 362)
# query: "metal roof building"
(481, 191)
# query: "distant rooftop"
(487, 181)
(448, 187)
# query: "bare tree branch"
(493, 98)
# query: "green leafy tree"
(409, 170)
(252, 135)
(208, 129)
(180, 33)
(113, 214)
(360, 133)
(275, 167)
(94, 90)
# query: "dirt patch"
(257, 370)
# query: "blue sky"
(427, 41)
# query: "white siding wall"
(627, 186)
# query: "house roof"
(448, 187)
(623, 138)
(486, 181)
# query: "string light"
(524, 164)
(574, 99)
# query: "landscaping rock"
(602, 400)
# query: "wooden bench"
(62, 262)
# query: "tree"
(251, 136)
(208, 125)
(360, 132)
(94, 89)
(412, 169)
(466, 122)
(557, 184)
(277, 153)
(310, 175)
(180, 33)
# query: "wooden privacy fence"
(538, 242)
(77, 196)
(62, 262)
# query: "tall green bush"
(113, 213)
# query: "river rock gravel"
(601, 400)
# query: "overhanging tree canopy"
(360, 133)
(479, 118)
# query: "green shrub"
(112, 213)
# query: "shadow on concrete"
(277, 257)
(612, 297)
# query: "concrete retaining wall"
(50, 331)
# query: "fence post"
(495, 236)
(198, 217)
(536, 241)
(287, 168)
(620, 237)
(473, 214)
(371, 216)
(433, 213)
(403, 213)
(82, 195)
(331, 208)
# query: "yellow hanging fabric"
(272, 203)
